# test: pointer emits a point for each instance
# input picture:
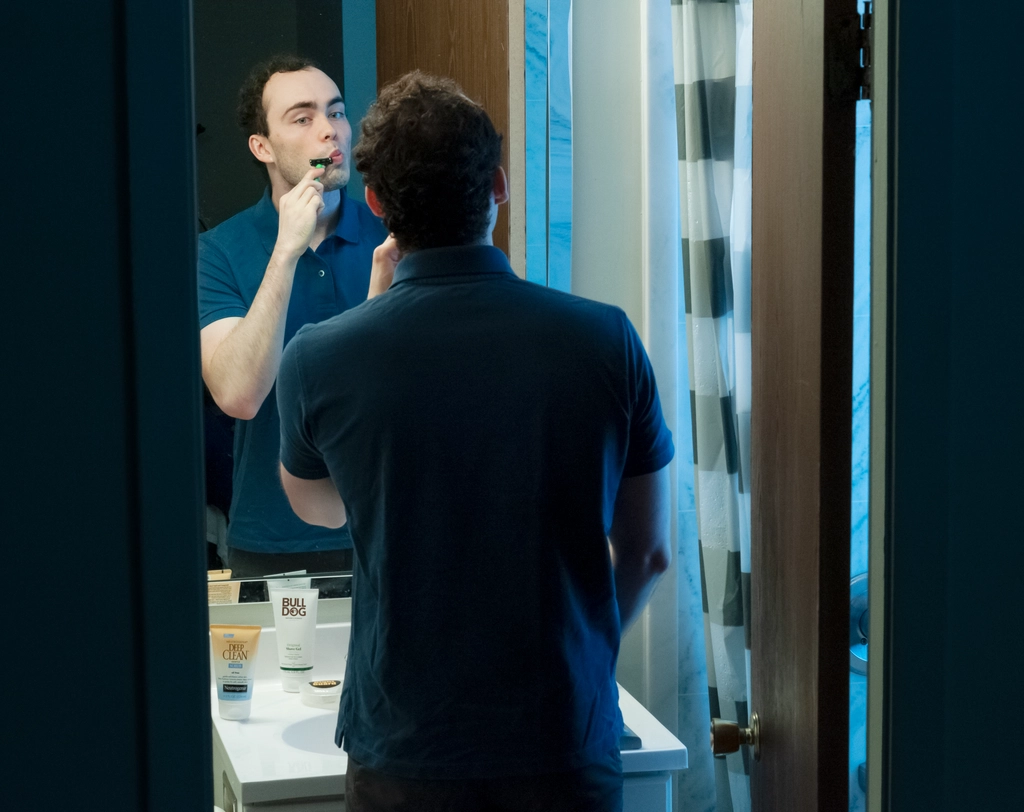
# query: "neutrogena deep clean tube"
(234, 663)
(295, 622)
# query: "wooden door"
(466, 40)
(805, 86)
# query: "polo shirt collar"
(456, 260)
(267, 220)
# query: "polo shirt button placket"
(321, 273)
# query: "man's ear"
(373, 202)
(500, 186)
(259, 146)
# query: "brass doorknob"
(726, 737)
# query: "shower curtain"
(711, 43)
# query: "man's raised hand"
(385, 257)
(298, 211)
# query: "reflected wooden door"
(466, 40)
(805, 84)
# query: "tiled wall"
(695, 790)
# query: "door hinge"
(865, 69)
(848, 56)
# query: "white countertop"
(286, 749)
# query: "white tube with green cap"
(295, 629)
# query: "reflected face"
(306, 120)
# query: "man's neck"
(327, 220)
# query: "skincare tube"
(295, 621)
(234, 663)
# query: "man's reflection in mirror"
(300, 254)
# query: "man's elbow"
(314, 501)
(241, 411)
(331, 520)
(311, 512)
(652, 563)
(235, 405)
(643, 562)
(659, 560)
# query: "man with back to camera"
(499, 452)
(302, 254)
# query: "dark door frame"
(103, 528)
(160, 177)
(103, 524)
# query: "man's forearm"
(242, 370)
(640, 540)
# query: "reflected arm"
(240, 356)
(640, 540)
(315, 501)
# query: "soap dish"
(321, 693)
(629, 740)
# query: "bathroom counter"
(286, 751)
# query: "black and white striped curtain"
(712, 69)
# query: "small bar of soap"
(629, 740)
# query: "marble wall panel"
(858, 738)
(548, 87)
(536, 91)
(860, 468)
(560, 144)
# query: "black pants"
(597, 788)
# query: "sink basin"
(315, 735)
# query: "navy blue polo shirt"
(233, 258)
(477, 427)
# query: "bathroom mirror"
(343, 37)
(229, 37)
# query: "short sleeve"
(650, 441)
(299, 454)
(219, 295)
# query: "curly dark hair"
(252, 115)
(429, 153)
